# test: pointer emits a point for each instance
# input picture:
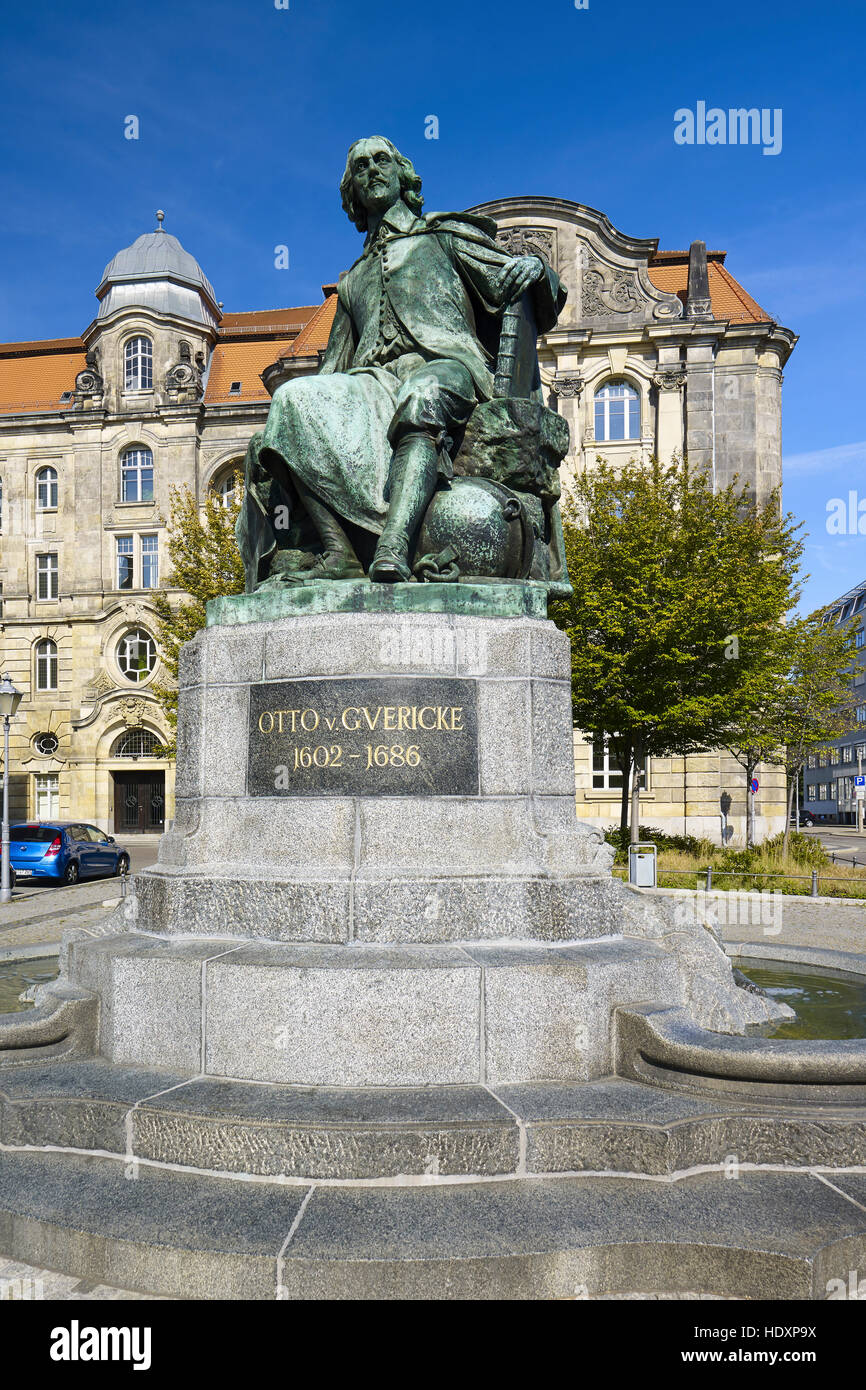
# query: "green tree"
(205, 562)
(679, 593)
(811, 703)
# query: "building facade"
(657, 352)
(828, 777)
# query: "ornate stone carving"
(183, 381)
(529, 241)
(100, 684)
(568, 385)
(670, 378)
(132, 710)
(606, 291)
(89, 385)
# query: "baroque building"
(656, 352)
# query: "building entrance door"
(139, 803)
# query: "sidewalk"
(32, 918)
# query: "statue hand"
(517, 276)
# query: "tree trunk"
(750, 809)
(624, 757)
(635, 795)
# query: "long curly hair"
(410, 184)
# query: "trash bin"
(642, 864)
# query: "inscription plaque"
(364, 736)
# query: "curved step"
(383, 1135)
(765, 1235)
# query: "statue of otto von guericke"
(422, 450)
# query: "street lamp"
(10, 699)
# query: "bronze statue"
(422, 450)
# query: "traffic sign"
(860, 781)
(753, 785)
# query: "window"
(823, 792)
(860, 714)
(812, 760)
(47, 796)
(46, 665)
(46, 576)
(606, 770)
(149, 562)
(860, 637)
(138, 364)
(136, 654)
(46, 744)
(124, 562)
(235, 388)
(617, 412)
(860, 751)
(46, 490)
(225, 489)
(135, 743)
(136, 476)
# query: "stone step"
(764, 1235)
(368, 1015)
(610, 1126)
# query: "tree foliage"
(799, 708)
(679, 594)
(205, 563)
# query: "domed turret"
(155, 272)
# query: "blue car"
(64, 850)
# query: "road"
(841, 840)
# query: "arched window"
(617, 412)
(138, 364)
(225, 488)
(136, 654)
(46, 665)
(136, 476)
(135, 743)
(46, 490)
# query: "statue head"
(376, 175)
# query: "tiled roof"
(243, 362)
(314, 336)
(669, 271)
(33, 376)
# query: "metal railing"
(708, 872)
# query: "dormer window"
(138, 364)
(65, 397)
(235, 388)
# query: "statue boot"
(411, 484)
(338, 559)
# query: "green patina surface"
(527, 599)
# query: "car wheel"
(70, 873)
(122, 866)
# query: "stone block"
(552, 756)
(347, 1015)
(504, 737)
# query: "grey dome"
(156, 272)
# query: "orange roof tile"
(243, 362)
(314, 337)
(33, 376)
(729, 300)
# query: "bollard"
(709, 877)
(814, 883)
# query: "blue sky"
(246, 112)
